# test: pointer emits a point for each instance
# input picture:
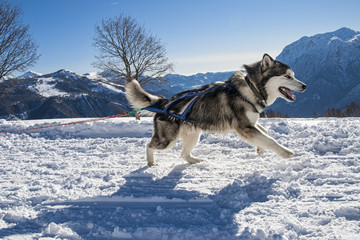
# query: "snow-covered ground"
(90, 181)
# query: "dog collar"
(260, 97)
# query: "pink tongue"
(288, 91)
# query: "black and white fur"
(232, 106)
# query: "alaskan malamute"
(232, 105)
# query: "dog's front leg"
(260, 150)
(254, 136)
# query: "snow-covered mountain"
(30, 74)
(179, 83)
(60, 94)
(329, 64)
(6, 78)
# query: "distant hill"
(63, 94)
(179, 83)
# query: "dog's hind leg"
(150, 155)
(157, 144)
(189, 141)
(164, 137)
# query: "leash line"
(73, 123)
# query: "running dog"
(232, 105)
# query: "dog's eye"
(288, 76)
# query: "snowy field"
(90, 181)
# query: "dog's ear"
(267, 62)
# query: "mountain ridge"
(62, 94)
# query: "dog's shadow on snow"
(140, 184)
(143, 205)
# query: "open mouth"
(287, 93)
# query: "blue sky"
(199, 35)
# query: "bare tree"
(127, 50)
(17, 50)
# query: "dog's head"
(275, 79)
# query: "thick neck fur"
(255, 74)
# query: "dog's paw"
(287, 153)
(152, 164)
(192, 160)
(260, 151)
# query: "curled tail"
(138, 97)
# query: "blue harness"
(182, 116)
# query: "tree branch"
(125, 48)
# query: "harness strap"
(257, 93)
(196, 95)
(183, 115)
